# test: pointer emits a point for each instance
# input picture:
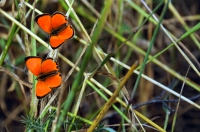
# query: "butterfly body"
(46, 75)
(57, 26)
(56, 31)
(46, 72)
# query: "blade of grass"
(134, 47)
(34, 100)
(183, 23)
(86, 59)
(167, 114)
(157, 62)
(171, 38)
(149, 50)
(78, 102)
(105, 98)
(176, 112)
(48, 105)
(193, 29)
(111, 100)
(124, 104)
(130, 36)
(139, 50)
(24, 28)
(146, 56)
(145, 77)
(11, 35)
(139, 10)
(24, 35)
(75, 16)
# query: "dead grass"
(109, 38)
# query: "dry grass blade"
(112, 99)
(14, 76)
(179, 49)
(109, 37)
(177, 107)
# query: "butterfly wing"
(45, 87)
(61, 37)
(44, 22)
(58, 19)
(54, 81)
(49, 65)
(42, 89)
(33, 63)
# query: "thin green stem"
(86, 59)
(148, 51)
(11, 35)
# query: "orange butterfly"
(57, 26)
(47, 74)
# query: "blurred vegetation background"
(124, 19)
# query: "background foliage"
(123, 29)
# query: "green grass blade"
(149, 50)
(11, 35)
(86, 59)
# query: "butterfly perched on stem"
(47, 73)
(57, 26)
